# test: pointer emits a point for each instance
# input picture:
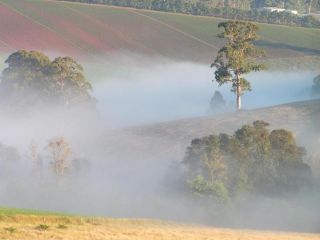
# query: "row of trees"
(32, 79)
(252, 160)
(185, 5)
(59, 150)
(231, 9)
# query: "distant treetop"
(32, 79)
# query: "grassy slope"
(22, 224)
(206, 29)
(86, 30)
(168, 140)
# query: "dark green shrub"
(42, 227)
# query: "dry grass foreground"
(27, 227)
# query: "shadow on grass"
(310, 51)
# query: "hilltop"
(168, 140)
(87, 31)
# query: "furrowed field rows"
(95, 30)
(19, 31)
(52, 22)
(146, 32)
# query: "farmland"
(87, 31)
(101, 144)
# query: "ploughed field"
(26, 224)
(87, 31)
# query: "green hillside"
(86, 31)
(18, 211)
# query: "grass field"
(16, 211)
(84, 30)
(27, 224)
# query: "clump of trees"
(230, 9)
(252, 160)
(31, 78)
(316, 85)
(238, 56)
(60, 157)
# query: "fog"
(107, 180)
(168, 91)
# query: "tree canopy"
(32, 79)
(238, 56)
(217, 103)
(316, 85)
(252, 160)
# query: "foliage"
(316, 85)
(31, 78)
(252, 160)
(217, 102)
(62, 226)
(238, 56)
(69, 81)
(42, 227)
(230, 9)
(10, 229)
(216, 189)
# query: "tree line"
(58, 156)
(230, 9)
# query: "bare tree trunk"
(309, 7)
(238, 101)
(60, 151)
(239, 105)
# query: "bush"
(42, 227)
(316, 86)
(10, 229)
(252, 160)
(62, 226)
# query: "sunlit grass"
(25, 224)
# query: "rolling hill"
(167, 141)
(87, 31)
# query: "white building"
(274, 9)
